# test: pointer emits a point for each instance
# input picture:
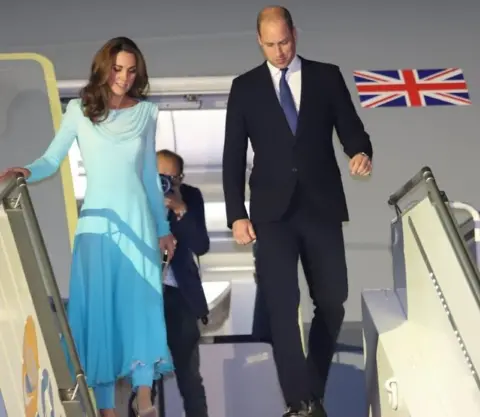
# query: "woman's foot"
(109, 413)
(143, 403)
(149, 412)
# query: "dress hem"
(161, 367)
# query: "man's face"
(169, 167)
(278, 43)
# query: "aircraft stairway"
(421, 343)
(36, 378)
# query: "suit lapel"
(270, 94)
(269, 91)
(304, 102)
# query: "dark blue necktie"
(287, 103)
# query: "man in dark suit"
(184, 298)
(288, 108)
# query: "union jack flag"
(412, 88)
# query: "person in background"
(288, 108)
(115, 310)
(185, 301)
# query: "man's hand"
(167, 245)
(174, 202)
(361, 165)
(243, 231)
(11, 171)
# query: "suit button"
(294, 169)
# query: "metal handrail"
(422, 176)
(46, 271)
(7, 186)
(437, 198)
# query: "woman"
(115, 309)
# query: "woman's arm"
(48, 164)
(151, 180)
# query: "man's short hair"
(170, 154)
(282, 12)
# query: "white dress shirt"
(294, 79)
(170, 277)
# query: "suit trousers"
(183, 336)
(302, 234)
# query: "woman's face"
(123, 73)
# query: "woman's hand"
(12, 171)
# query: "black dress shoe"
(313, 409)
(302, 411)
(316, 409)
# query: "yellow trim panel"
(57, 114)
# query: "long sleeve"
(151, 182)
(191, 230)
(235, 158)
(49, 163)
(348, 124)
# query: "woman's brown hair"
(96, 94)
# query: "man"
(288, 107)
(184, 298)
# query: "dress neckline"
(126, 108)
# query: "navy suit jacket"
(192, 241)
(283, 160)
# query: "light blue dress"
(115, 309)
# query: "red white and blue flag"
(412, 88)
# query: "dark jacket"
(192, 241)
